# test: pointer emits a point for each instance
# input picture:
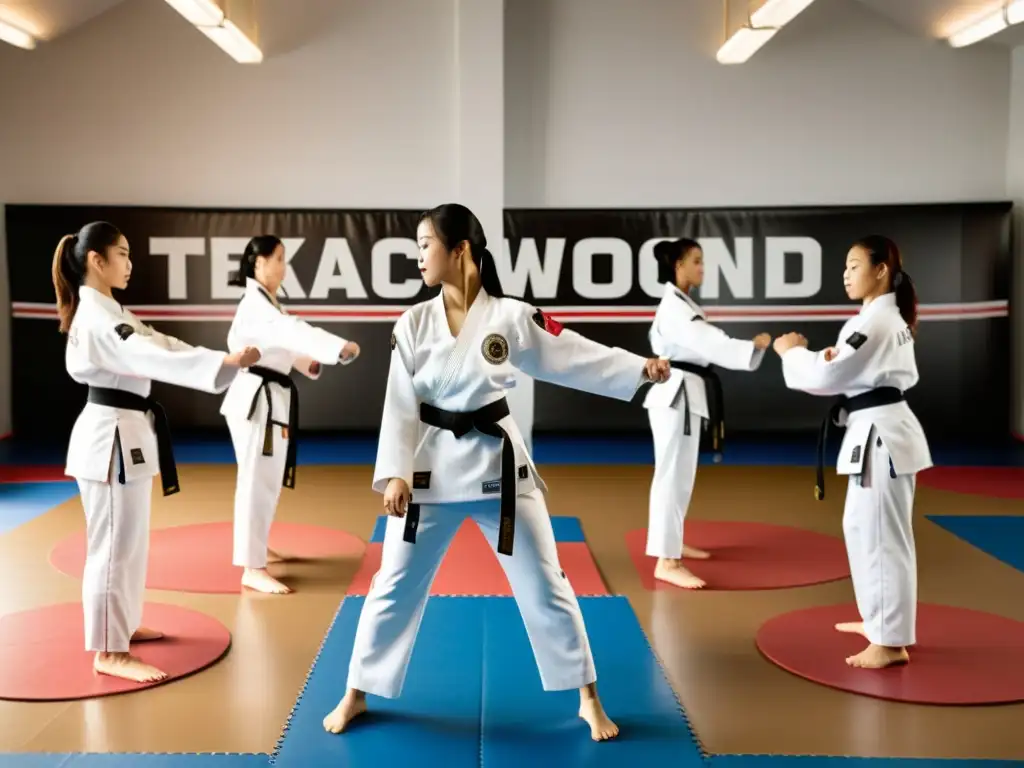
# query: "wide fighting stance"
(446, 436)
(870, 368)
(121, 438)
(692, 399)
(262, 405)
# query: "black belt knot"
(275, 377)
(484, 420)
(871, 399)
(715, 398)
(129, 401)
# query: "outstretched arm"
(689, 331)
(832, 371)
(271, 329)
(547, 351)
(399, 426)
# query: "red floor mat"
(961, 657)
(197, 558)
(43, 657)
(995, 482)
(471, 568)
(15, 474)
(750, 556)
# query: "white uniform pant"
(394, 607)
(878, 527)
(114, 580)
(257, 489)
(675, 470)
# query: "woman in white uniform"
(121, 439)
(262, 405)
(692, 400)
(449, 450)
(870, 369)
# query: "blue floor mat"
(126, 760)
(473, 693)
(21, 502)
(999, 536)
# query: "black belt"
(291, 454)
(715, 399)
(128, 401)
(872, 399)
(483, 420)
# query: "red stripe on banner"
(217, 313)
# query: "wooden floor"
(737, 702)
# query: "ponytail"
(906, 299)
(488, 272)
(261, 245)
(67, 278)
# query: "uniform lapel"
(463, 342)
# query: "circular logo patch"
(495, 349)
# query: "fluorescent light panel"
(234, 43)
(15, 36)
(198, 12)
(778, 13)
(744, 44)
(989, 25)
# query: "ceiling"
(927, 18)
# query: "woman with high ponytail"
(449, 449)
(262, 405)
(690, 405)
(121, 439)
(869, 371)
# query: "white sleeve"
(808, 372)
(122, 350)
(692, 332)
(545, 350)
(400, 423)
(270, 329)
(308, 367)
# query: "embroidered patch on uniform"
(856, 454)
(491, 486)
(394, 342)
(123, 330)
(495, 349)
(523, 473)
(137, 456)
(549, 324)
(421, 481)
(856, 340)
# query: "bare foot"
(673, 572)
(261, 581)
(878, 657)
(351, 706)
(601, 726)
(145, 635)
(852, 628)
(695, 554)
(126, 666)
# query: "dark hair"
(668, 253)
(259, 246)
(884, 251)
(453, 224)
(70, 261)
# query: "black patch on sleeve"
(124, 331)
(856, 340)
(538, 318)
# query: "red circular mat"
(43, 657)
(995, 482)
(197, 558)
(961, 657)
(750, 556)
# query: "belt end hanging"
(506, 535)
(819, 492)
(412, 522)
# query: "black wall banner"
(354, 272)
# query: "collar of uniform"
(674, 289)
(252, 285)
(880, 303)
(85, 293)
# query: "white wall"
(614, 103)
(1015, 190)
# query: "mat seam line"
(272, 759)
